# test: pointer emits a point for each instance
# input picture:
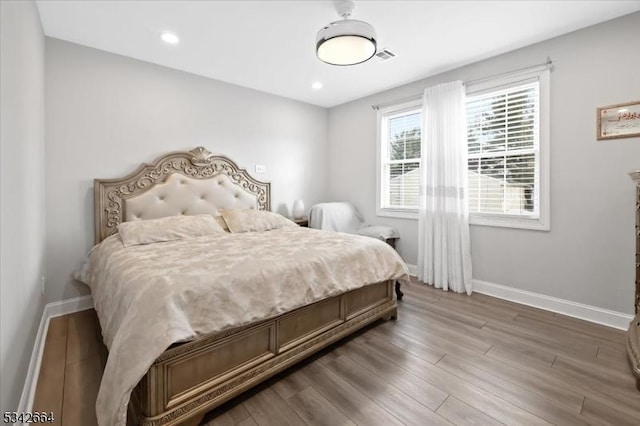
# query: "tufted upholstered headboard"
(182, 182)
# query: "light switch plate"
(260, 168)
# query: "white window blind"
(400, 154)
(504, 145)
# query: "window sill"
(398, 213)
(509, 222)
(477, 220)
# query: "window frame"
(541, 76)
(382, 116)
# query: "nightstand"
(304, 222)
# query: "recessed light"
(317, 85)
(170, 38)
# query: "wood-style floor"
(449, 359)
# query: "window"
(508, 165)
(508, 175)
(399, 166)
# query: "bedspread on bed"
(150, 296)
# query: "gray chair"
(344, 217)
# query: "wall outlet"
(260, 168)
(42, 285)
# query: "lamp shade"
(298, 209)
(346, 42)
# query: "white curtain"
(444, 255)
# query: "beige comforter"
(150, 296)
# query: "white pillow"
(167, 229)
(247, 220)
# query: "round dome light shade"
(347, 42)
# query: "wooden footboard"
(190, 379)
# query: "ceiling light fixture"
(346, 42)
(317, 85)
(170, 38)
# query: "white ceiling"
(270, 45)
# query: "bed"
(175, 354)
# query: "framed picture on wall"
(619, 121)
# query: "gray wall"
(21, 190)
(588, 255)
(107, 113)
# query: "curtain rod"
(547, 64)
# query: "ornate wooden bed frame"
(190, 379)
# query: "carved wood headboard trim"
(109, 194)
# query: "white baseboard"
(50, 310)
(590, 313)
(29, 390)
(69, 306)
